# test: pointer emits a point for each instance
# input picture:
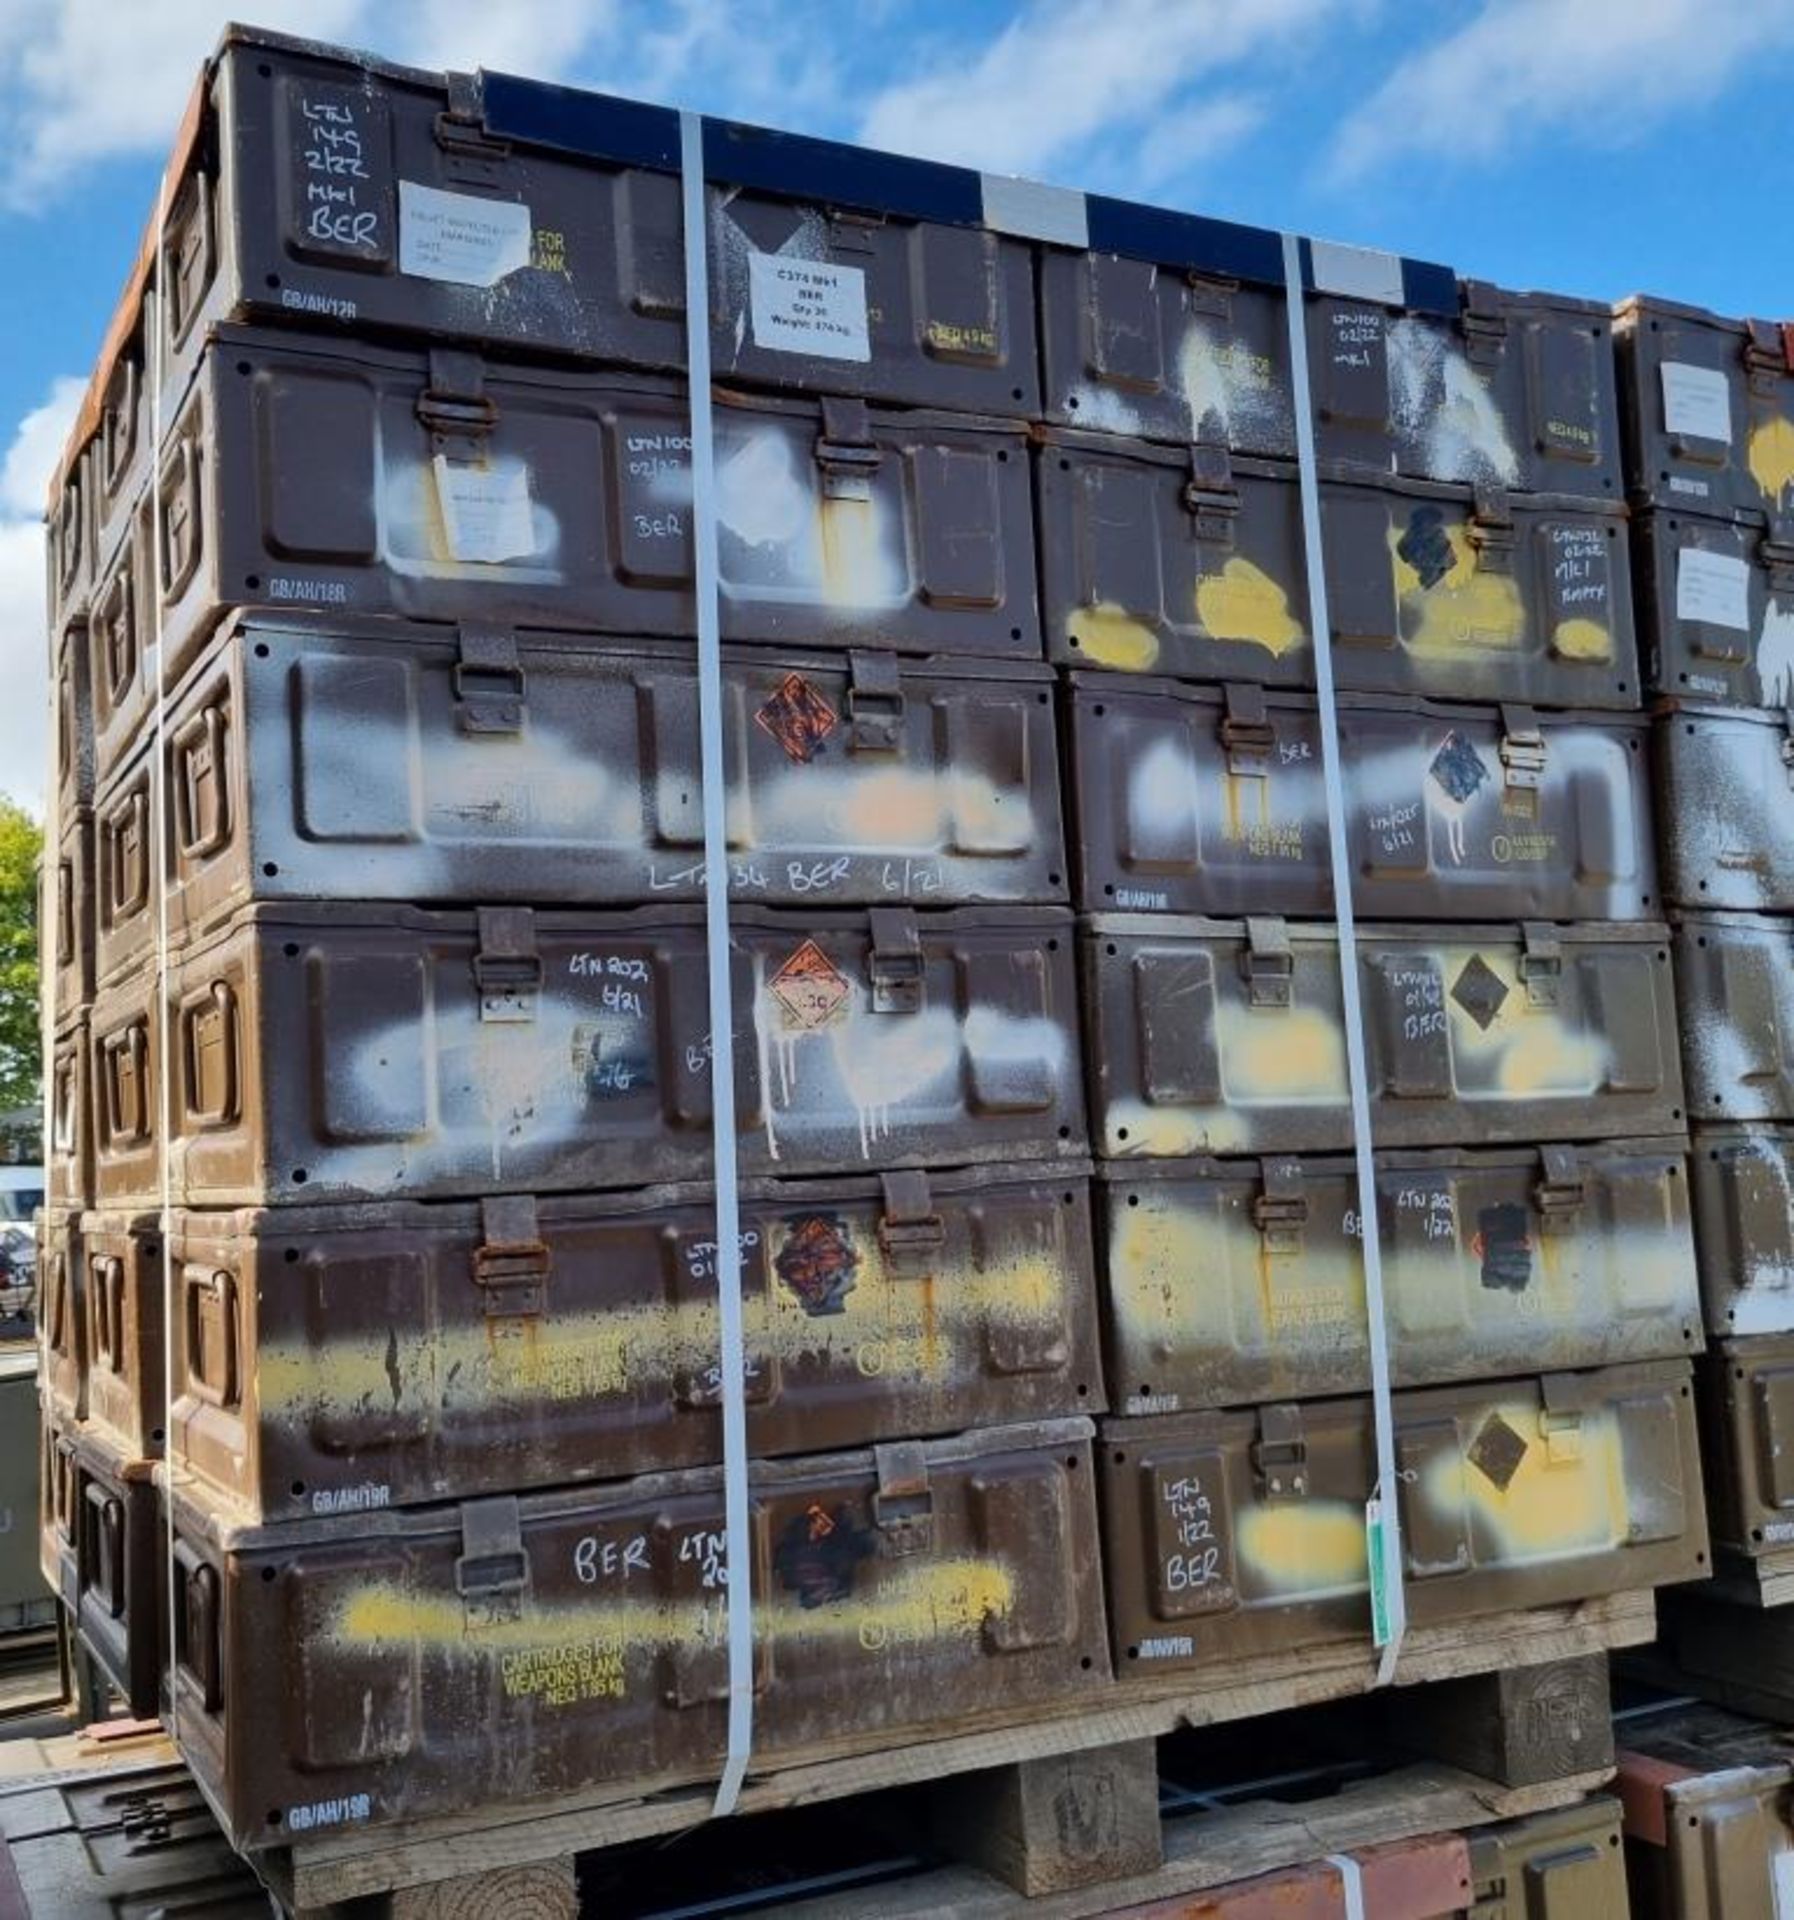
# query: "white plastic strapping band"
(738, 1587)
(1351, 1884)
(1386, 1549)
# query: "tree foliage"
(21, 1061)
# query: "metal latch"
(1210, 293)
(894, 959)
(1280, 1453)
(903, 1506)
(1246, 731)
(853, 230)
(1280, 1209)
(875, 704)
(1522, 748)
(910, 1229)
(845, 449)
(1776, 553)
(1268, 962)
(1561, 1191)
(1561, 1398)
(1541, 963)
(1484, 324)
(488, 680)
(461, 130)
(1768, 353)
(511, 1263)
(1210, 496)
(492, 1573)
(1491, 530)
(455, 408)
(507, 969)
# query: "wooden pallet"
(1754, 1580)
(518, 1859)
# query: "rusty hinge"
(1562, 1402)
(1491, 530)
(1280, 1208)
(1280, 1453)
(455, 409)
(894, 959)
(507, 968)
(511, 1263)
(910, 1229)
(488, 680)
(1775, 550)
(1210, 293)
(1268, 962)
(461, 129)
(845, 449)
(492, 1573)
(1541, 962)
(1210, 496)
(903, 1505)
(875, 703)
(1484, 323)
(853, 229)
(1768, 354)
(1522, 748)
(1561, 1189)
(1246, 731)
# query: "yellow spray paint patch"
(1112, 637)
(1315, 1546)
(1464, 607)
(1550, 1507)
(1550, 1058)
(1582, 640)
(1242, 602)
(1772, 457)
(1290, 1054)
(852, 561)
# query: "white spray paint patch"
(761, 499)
(1443, 410)
(413, 539)
(1775, 655)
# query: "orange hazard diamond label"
(810, 987)
(798, 718)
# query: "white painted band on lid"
(1031, 211)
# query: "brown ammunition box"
(1230, 1283)
(1516, 391)
(1210, 800)
(1233, 1534)
(330, 1360)
(1747, 1404)
(122, 1269)
(389, 1665)
(1707, 408)
(1190, 563)
(1735, 1000)
(121, 1564)
(120, 632)
(74, 923)
(1566, 1864)
(70, 1146)
(1742, 1182)
(70, 543)
(1727, 818)
(119, 454)
(127, 874)
(61, 1314)
(460, 1053)
(1212, 1036)
(369, 760)
(74, 715)
(1716, 609)
(58, 1504)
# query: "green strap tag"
(1380, 1625)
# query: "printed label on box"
(1713, 588)
(808, 306)
(1696, 401)
(486, 513)
(460, 236)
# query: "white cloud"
(24, 479)
(1066, 73)
(1606, 70)
(37, 445)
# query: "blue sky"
(1586, 146)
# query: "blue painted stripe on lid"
(1184, 239)
(840, 175)
(600, 125)
(1430, 288)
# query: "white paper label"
(1713, 588)
(1696, 402)
(486, 510)
(459, 236)
(808, 306)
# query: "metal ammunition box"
(122, 1273)
(25, 1599)
(1716, 610)
(127, 876)
(352, 479)
(1213, 1036)
(73, 748)
(70, 1146)
(123, 445)
(1516, 390)
(340, 192)
(1747, 1405)
(121, 1081)
(70, 543)
(1707, 408)
(1230, 1534)
(1230, 1283)
(496, 1050)
(334, 1359)
(1727, 818)
(374, 761)
(61, 1313)
(120, 629)
(59, 1501)
(1210, 800)
(73, 954)
(1566, 1864)
(1735, 999)
(390, 1665)
(1191, 563)
(120, 1568)
(1742, 1182)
